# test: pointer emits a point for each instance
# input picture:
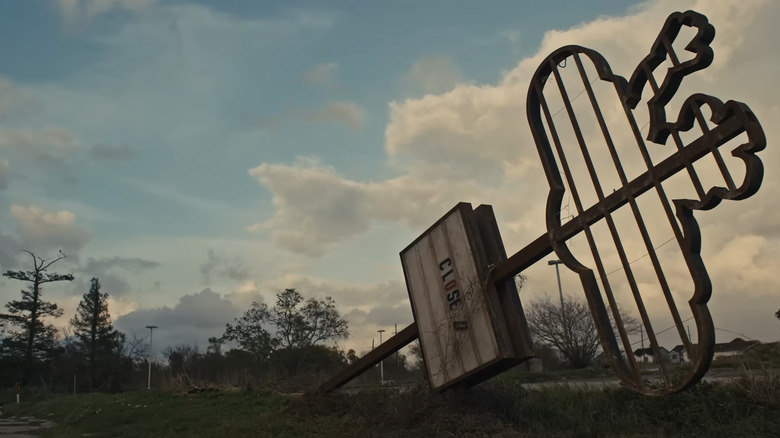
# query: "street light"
(151, 331)
(381, 363)
(558, 273)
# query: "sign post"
(467, 311)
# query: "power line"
(639, 258)
(662, 331)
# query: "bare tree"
(35, 339)
(136, 348)
(571, 329)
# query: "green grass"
(168, 414)
(748, 409)
(553, 376)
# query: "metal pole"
(396, 374)
(558, 273)
(381, 363)
(149, 378)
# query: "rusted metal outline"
(731, 119)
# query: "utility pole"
(558, 273)
(396, 355)
(382, 362)
(151, 332)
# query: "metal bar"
(614, 308)
(643, 231)
(542, 245)
(519, 261)
(680, 146)
(384, 350)
(634, 208)
(557, 142)
(578, 203)
(646, 238)
(624, 181)
(715, 151)
(703, 124)
(721, 134)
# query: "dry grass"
(748, 407)
(762, 384)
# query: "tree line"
(292, 341)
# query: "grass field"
(748, 408)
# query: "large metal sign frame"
(729, 120)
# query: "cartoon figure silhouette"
(728, 120)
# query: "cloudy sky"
(197, 156)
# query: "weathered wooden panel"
(446, 279)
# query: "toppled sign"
(467, 312)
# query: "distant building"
(733, 349)
(677, 355)
(648, 354)
(736, 348)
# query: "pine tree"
(96, 340)
(31, 340)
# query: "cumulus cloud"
(222, 266)
(471, 128)
(472, 142)
(196, 316)
(112, 152)
(322, 75)
(205, 309)
(347, 294)
(112, 273)
(433, 74)
(347, 113)
(245, 294)
(43, 231)
(316, 208)
(380, 316)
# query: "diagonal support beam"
(397, 342)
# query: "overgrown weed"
(762, 384)
(497, 408)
